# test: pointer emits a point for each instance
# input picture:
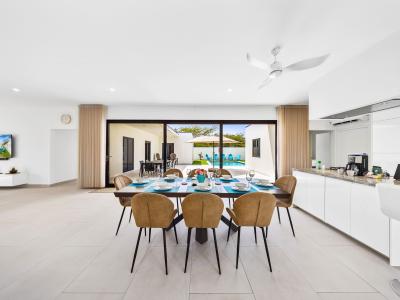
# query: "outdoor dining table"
(184, 187)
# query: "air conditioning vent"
(366, 109)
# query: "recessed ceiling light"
(229, 90)
(112, 90)
(16, 90)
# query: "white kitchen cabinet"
(337, 203)
(316, 195)
(368, 224)
(300, 193)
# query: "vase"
(201, 178)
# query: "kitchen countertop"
(356, 179)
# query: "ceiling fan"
(275, 69)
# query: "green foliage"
(200, 162)
(237, 137)
(198, 130)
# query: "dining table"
(182, 187)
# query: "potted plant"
(200, 175)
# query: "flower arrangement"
(200, 174)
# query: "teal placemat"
(230, 190)
(264, 188)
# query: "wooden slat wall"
(91, 137)
(293, 138)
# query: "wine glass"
(248, 178)
(252, 173)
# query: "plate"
(158, 188)
(202, 189)
(226, 180)
(240, 189)
(264, 185)
(140, 183)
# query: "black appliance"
(397, 174)
(357, 163)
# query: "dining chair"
(179, 174)
(255, 210)
(158, 157)
(202, 210)
(152, 210)
(288, 184)
(221, 172)
(121, 181)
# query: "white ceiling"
(177, 52)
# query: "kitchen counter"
(355, 179)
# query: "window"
(256, 148)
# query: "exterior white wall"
(116, 134)
(227, 150)
(386, 139)
(170, 112)
(265, 164)
(351, 85)
(63, 155)
(182, 148)
(31, 129)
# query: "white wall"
(386, 139)
(351, 138)
(63, 155)
(370, 77)
(323, 148)
(182, 148)
(265, 163)
(31, 127)
(116, 134)
(170, 112)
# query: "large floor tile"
(90, 296)
(221, 297)
(351, 296)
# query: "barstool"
(389, 195)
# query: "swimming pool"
(229, 163)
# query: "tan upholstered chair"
(158, 157)
(202, 210)
(221, 172)
(287, 184)
(152, 210)
(121, 181)
(193, 172)
(255, 210)
(176, 172)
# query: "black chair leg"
(165, 252)
(149, 234)
(216, 251)
(187, 247)
(136, 248)
(120, 220)
(279, 214)
(176, 236)
(290, 220)
(255, 234)
(229, 199)
(229, 228)
(266, 232)
(130, 216)
(266, 248)
(145, 231)
(237, 247)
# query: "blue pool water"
(228, 163)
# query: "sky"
(228, 129)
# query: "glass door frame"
(165, 124)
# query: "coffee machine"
(358, 163)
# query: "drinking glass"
(248, 178)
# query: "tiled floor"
(59, 243)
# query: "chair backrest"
(172, 156)
(158, 157)
(389, 195)
(288, 184)
(152, 210)
(202, 210)
(254, 209)
(176, 172)
(221, 172)
(193, 172)
(121, 181)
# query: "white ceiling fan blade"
(307, 63)
(257, 63)
(264, 83)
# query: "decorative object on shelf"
(200, 176)
(13, 170)
(66, 119)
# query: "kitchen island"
(351, 205)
